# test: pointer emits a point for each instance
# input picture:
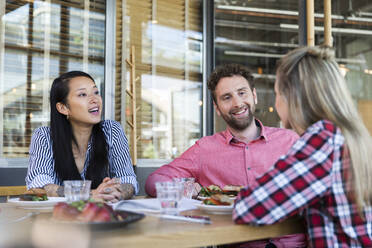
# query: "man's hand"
(197, 188)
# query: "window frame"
(108, 92)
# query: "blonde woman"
(327, 174)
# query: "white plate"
(215, 209)
(36, 204)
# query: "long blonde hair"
(310, 81)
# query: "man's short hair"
(228, 70)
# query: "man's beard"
(239, 124)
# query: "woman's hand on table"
(108, 190)
(54, 190)
(126, 190)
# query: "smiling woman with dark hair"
(78, 145)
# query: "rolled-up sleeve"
(121, 163)
(41, 163)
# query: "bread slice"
(231, 190)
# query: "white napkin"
(151, 205)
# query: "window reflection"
(172, 122)
(258, 33)
(250, 33)
(167, 37)
(41, 41)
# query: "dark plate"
(128, 217)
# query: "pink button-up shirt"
(221, 159)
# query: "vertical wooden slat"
(85, 30)
(29, 74)
(47, 62)
(364, 107)
(63, 38)
(2, 79)
(327, 23)
(310, 22)
(120, 64)
(133, 96)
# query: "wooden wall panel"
(365, 110)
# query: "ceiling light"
(334, 30)
(343, 69)
(254, 54)
(290, 13)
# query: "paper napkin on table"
(151, 205)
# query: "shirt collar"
(229, 137)
(263, 130)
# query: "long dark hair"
(62, 137)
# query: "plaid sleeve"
(296, 180)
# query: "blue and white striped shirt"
(41, 164)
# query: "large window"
(258, 33)
(251, 33)
(352, 39)
(38, 41)
(167, 36)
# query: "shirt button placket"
(248, 168)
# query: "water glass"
(188, 186)
(77, 190)
(169, 195)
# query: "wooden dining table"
(19, 227)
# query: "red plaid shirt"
(309, 181)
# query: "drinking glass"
(77, 190)
(169, 195)
(188, 186)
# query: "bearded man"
(241, 153)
